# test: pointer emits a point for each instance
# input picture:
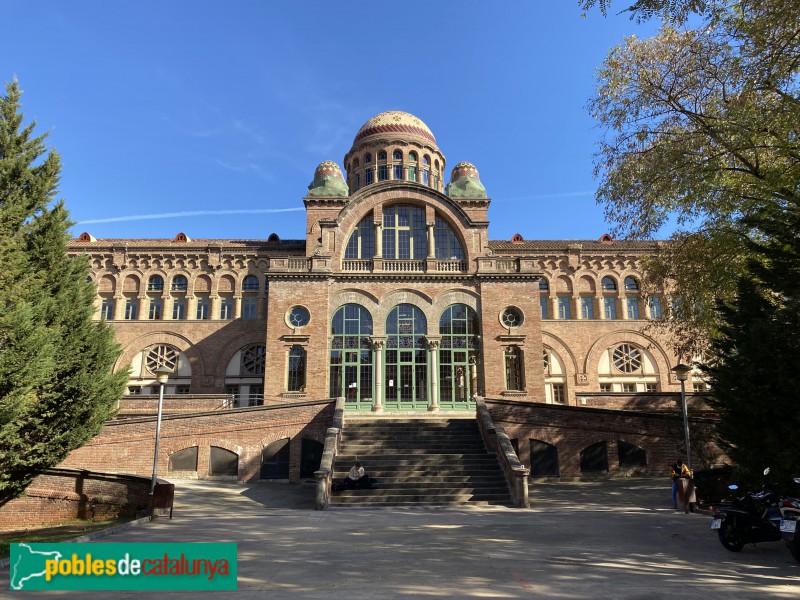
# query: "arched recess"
(636, 337)
(132, 283)
(223, 462)
(183, 461)
(354, 296)
(310, 457)
(445, 299)
(402, 296)
(586, 285)
(543, 459)
(163, 337)
(230, 349)
(632, 457)
(594, 458)
(275, 458)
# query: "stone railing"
(356, 265)
(497, 441)
(404, 266)
(324, 475)
(451, 266)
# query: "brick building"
(396, 298)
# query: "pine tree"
(755, 380)
(57, 387)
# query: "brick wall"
(126, 446)
(60, 495)
(573, 429)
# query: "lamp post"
(162, 375)
(682, 374)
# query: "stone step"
(369, 459)
(340, 499)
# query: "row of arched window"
(378, 167)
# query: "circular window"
(511, 317)
(627, 358)
(298, 317)
(161, 356)
(253, 360)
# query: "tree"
(702, 126)
(57, 387)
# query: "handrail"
(324, 475)
(497, 441)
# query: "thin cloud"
(191, 213)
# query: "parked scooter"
(790, 513)
(753, 518)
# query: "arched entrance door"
(459, 328)
(351, 356)
(406, 380)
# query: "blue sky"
(181, 110)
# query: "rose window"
(299, 317)
(161, 356)
(511, 317)
(253, 360)
(627, 358)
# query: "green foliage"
(57, 387)
(701, 129)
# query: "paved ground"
(617, 539)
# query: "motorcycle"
(790, 513)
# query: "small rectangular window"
(606, 387)
(226, 308)
(107, 309)
(182, 389)
(134, 390)
(651, 387)
(699, 387)
(544, 301)
(630, 388)
(249, 305)
(564, 311)
(178, 309)
(633, 308)
(610, 308)
(587, 308)
(655, 307)
(398, 172)
(559, 394)
(412, 173)
(383, 173)
(131, 309)
(368, 175)
(155, 309)
(202, 309)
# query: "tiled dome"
(395, 121)
(464, 169)
(329, 168)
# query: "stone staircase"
(419, 462)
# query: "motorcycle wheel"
(729, 536)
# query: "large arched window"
(404, 234)
(351, 356)
(447, 244)
(406, 358)
(362, 241)
(459, 328)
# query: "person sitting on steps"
(357, 479)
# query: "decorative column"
(237, 307)
(166, 307)
(433, 362)
(378, 239)
(119, 308)
(473, 376)
(431, 240)
(191, 308)
(377, 401)
(601, 309)
(143, 307)
(214, 308)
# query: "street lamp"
(162, 375)
(682, 374)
